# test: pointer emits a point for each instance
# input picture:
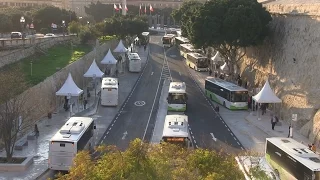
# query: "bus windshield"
(202, 63)
(239, 96)
(166, 40)
(177, 98)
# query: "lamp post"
(63, 26)
(22, 21)
(31, 68)
(94, 81)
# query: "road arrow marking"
(215, 139)
(124, 135)
(151, 73)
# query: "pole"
(31, 67)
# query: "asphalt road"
(208, 130)
(136, 118)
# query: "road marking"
(112, 125)
(124, 135)
(193, 137)
(104, 137)
(191, 133)
(117, 117)
(197, 146)
(225, 125)
(238, 143)
(139, 103)
(228, 129)
(214, 138)
(242, 148)
(195, 141)
(107, 132)
(109, 129)
(115, 121)
(151, 73)
(234, 138)
(223, 122)
(231, 134)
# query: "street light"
(22, 21)
(63, 26)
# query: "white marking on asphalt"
(124, 135)
(242, 148)
(104, 137)
(193, 137)
(191, 133)
(231, 134)
(197, 146)
(195, 141)
(214, 138)
(151, 73)
(107, 132)
(225, 125)
(109, 129)
(112, 125)
(234, 138)
(238, 143)
(115, 120)
(222, 122)
(228, 129)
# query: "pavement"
(103, 116)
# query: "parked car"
(16, 35)
(49, 35)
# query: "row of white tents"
(69, 88)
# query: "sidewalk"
(250, 131)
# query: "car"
(49, 35)
(16, 35)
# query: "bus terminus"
(176, 131)
(177, 97)
(181, 40)
(75, 135)
(227, 94)
(197, 61)
(168, 40)
(134, 62)
(144, 38)
(291, 159)
(187, 48)
(109, 91)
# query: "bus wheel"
(224, 104)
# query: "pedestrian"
(215, 74)
(36, 130)
(273, 121)
(263, 108)
(210, 72)
(289, 130)
(145, 47)
(249, 102)
(85, 102)
(313, 148)
(116, 72)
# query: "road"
(208, 130)
(137, 116)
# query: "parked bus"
(168, 40)
(145, 37)
(75, 135)
(134, 62)
(177, 97)
(227, 94)
(188, 48)
(181, 40)
(291, 159)
(197, 61)
(109, 91)
(176, 131)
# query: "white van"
(109, 91)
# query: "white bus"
(188, 48)
(75, 135)
(168, 40)
(145, 37)
(181, 40)
(197, 61)
(109, 91)
(176, 131)
(291, 159)
(227, 94)
(134, 62)
(177, 97)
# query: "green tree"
(74, 27)
(99, 11)
(5, 23)
(228, 25)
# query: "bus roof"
(175, 126)
(225, 84)
(177, 87)
(196, 55)
(133, 56)
(169, 35)
(73, 129)
(298, 151)
(189, 47)
(183, 39)
(145, 33)
(109, 82)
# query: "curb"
(38, 177)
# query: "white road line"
(193, 137)
(104, 137)
(228, 129)
(115, 121)
(238, 143)
(231, 134)
(242, 148)
(107, 132)
(191, 133)
(225, 125)
(222, 122)
(197, 146)
(112, 125)
(151, 73)
(109, 129)
(234, 138)
(195, 141)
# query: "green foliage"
(258, 173)
(103, 39)
(86, 35)
(74, 27)
(44, 30)
(154, 162)
(5, 23)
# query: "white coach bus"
(177, 97)
(109, 91)
(197, 61)
(176, 131)
(168, 40)
(75, 135)
(134, 62)
(188, 48)
(291, 159)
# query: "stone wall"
(290, 58)
(42, 96)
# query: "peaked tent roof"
(216, 57)
(266, 95)
(109, 58)
(224, 67)
(120, 48)
(94, 71)
(69, 88)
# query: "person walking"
(85, 102)
(273, 121)
(36, 130)
(145, 47)
(210, 72)
(313, 148)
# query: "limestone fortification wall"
(290, 58)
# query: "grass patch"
(44, 66)
(14, 160)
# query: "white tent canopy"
(69, 88)
(216, 57)
(94, 71)
(109, 58)
(120, 48)
(224, 67)
(266, 95)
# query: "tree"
(99, 11)
(228, 25)
(74, 27)
(5, 23)
(15, 110)
(155, 162)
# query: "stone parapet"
(293, 7)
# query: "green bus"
(227, 94)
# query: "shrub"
(44, 30)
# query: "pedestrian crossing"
(166, 74)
